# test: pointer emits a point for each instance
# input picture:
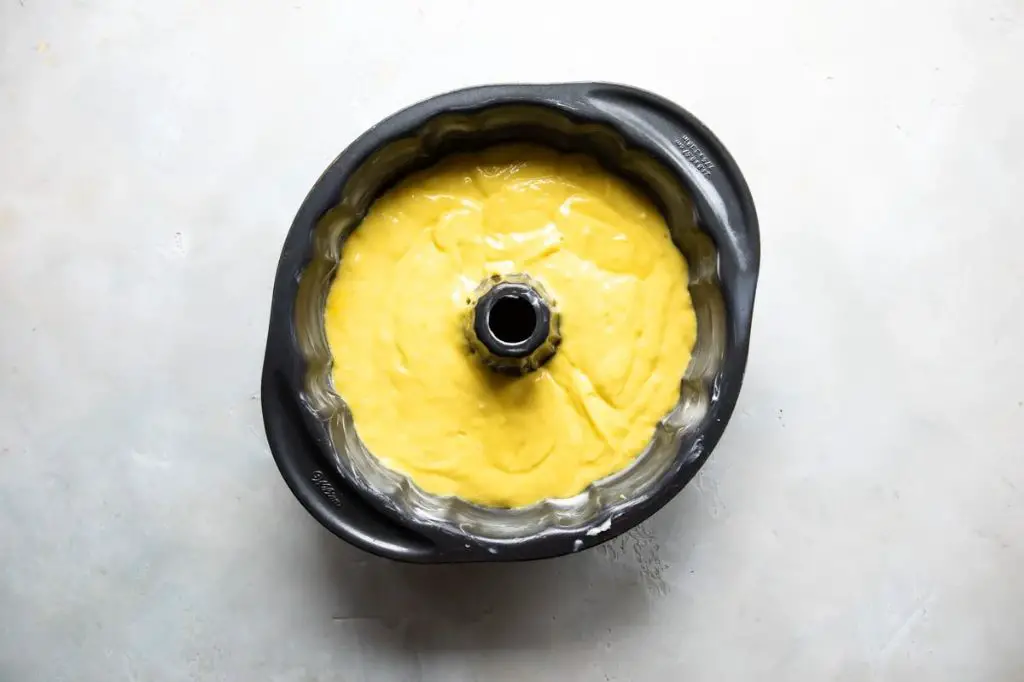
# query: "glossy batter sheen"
(427, 407)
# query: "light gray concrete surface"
(862, 519)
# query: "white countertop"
(861, 519)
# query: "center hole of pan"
(512, 319)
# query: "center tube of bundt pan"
(512, 324)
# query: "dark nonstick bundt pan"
(657, 145)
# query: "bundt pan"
(648, 140)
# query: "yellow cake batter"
(426, 406)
